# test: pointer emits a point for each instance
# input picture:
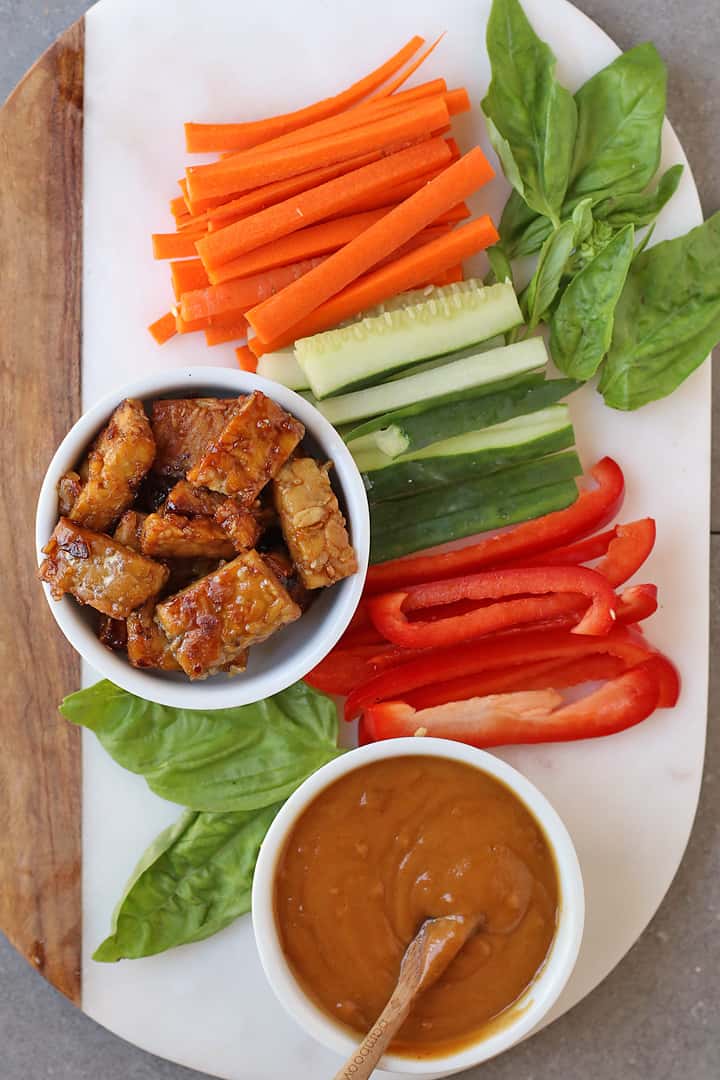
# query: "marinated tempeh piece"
(69, 488)
(147, 646)
(118, 460)
(98, 571)
(128, 530)
(282, 566)
(250, 451)
(173, 536)
(313, 527)
(112, 633)
(210, 623)
(184, 428)
(240, 525)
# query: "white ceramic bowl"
(288, 655)
(527, 1013)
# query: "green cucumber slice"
(282, 367)
(446, 383)
(353, 356)
(407, 430)
(474, 454)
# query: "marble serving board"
(77, 206)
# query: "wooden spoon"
(437, 942)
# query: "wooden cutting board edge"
(41, 159)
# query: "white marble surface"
(628, 801)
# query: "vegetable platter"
(140, 70)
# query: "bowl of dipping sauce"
(392, 834)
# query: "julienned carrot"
(237, 175)
(220, 335)
(271, 194)
(178, 207)
(190, 326)
(277, 314)
(163, 328)
(362, 114)
(258, 131)
(199, 206)
(451, 276)
(397, 192)
(407, 272)
(333, 197)
(243, 293)
(316, 240)
(391, 87)
(187, 274)
(246, 359)
(457, 101)
(175, 245)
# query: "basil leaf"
(667, 320)
(195, 879)
(582, 325)
(531, 117)
(500, 267)
(227, 759)
(545, 282)
(642, 208)
(620, 114)
(522, 231)
(582, 219)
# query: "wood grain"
(41, 131)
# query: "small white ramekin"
(286, 656)
(540, 996)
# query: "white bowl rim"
(548, 984)
(241, 690)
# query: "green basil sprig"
(195, 879)
(225, 760)
(667, 319)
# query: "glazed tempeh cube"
(250, 451)
(191, 501)
(98, 571)
(128, 530)
(173, 536)
(210, 623)
(118, 460)
(112, 633)
(184, 428)
(69, 488)
(147, 646)
(240, 525)
(312, 524)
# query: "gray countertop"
(657, 1016)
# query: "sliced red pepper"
(582, 551)
(542, 675)
(592, 509)
(527, 717)
(627, 551)
(505, 650)
(387, 611)
(344, 669)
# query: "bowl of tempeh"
(202, 537)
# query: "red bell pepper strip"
(505, 650)
(582, 551)
(526, 717)
(542, 675)
(387, 611)
(627, 551)
(592, 509)
(344, 669)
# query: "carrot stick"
(246, 359)
(405, 75)
(220, 335)
(243, 293)
(251, 133)
(175, 245)
(238, 175)
(316, 240)
(187, 274)
(451, 276)
(178, 207)
(407, 272)
(351, 118)
(457, 101)
(276, 314)
(189, 326)
(163, 328)
(270, 194)
(333, 197)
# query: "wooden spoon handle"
(362, 1063)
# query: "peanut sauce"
(394, 843)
